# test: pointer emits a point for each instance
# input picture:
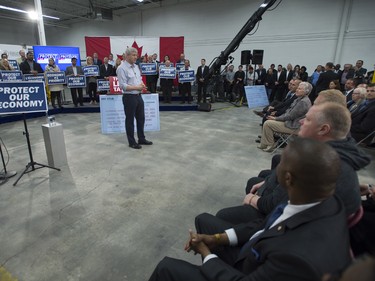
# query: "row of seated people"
(293, 224)
(284, 117)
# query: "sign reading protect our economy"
(11, 75)
(76, 81)
(186, 76)
(180, 66)
(32, 77)
(113, 117)
(22, 97)
(148, 68)
(167, 73)
(91, 70)
(102, 85)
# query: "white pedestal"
(55, 144)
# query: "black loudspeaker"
(245, 57)
(258, 56)
(204, 107)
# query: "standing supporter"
(29, 66)
(91, 85)
(166, 85)
(202, 71)
(186, 86)
(238, 87)
(75, 70)
(55, 89)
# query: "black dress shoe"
(135, 146)
(258, 141)
(145, 142)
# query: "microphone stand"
(6, 174)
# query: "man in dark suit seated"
(298, 241)
(363, 119)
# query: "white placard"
(256, 96)
(113, 117)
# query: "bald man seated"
(298, 241)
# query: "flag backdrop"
(171, 46)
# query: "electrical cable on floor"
(5, 179)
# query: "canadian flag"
(146, 46)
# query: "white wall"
(297, 31)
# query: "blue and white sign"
(180, 66)
(167, 73)
(113, 117)
(22, 97)
(11, 75)
(55, 78)
(256, 96)
(102, 85)
(14, 64)
(91, 70)
(148, 68)
(186, 76)
(76, 81)
(32, 77)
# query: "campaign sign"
(32, 77)
(102, 85)
(162, 64)
(114, 86)
(22, 97)
(91, 70)
(113, 117)
(55, 78)
(186, 76)
(180, 66)
(167, 73)
(14, 64)
(256, 96)
(76, 81)
(11, 75)
(148, 68)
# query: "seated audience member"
(349, 88)
(334, 85)
(326, 122)
(289, 121)
(298, 241)
(363, 119)
(358, 97)
(334, 96)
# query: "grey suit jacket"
(295, 112)
(69, 70)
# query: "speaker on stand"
(257, 56)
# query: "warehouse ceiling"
(74, 11)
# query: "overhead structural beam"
(42, 35)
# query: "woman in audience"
(334, 85)
(296, 73)
(55, 89)
(303, 74)
(91, 83)
(117, 64)
(4, 65)
(358, 97)
(270, 82)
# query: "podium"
(55, 144)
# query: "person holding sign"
(167, 84)
(75, 70)
(186, 86)
(55, 89)
(5, 65)
(91, 82)
(131, 84)
(29, 66)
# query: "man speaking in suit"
(298, 241)
(75, 70)
(202, 71)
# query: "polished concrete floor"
(113, 212)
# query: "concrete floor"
(113, 212)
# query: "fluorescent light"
(33, 15)
(140, 0)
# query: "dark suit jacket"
(262, 73)
(289, 76)
(349, 95)
(303, 247)
(363, 122)
(104, 72)
(69, 70)
(25, 67)
(98, 62)
(200, 75)
(324, 79)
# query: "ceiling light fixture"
(33, 15)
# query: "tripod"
(6, 174)
(32, 165)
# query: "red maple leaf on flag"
(139, 49)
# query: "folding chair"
(284, 138)
(367, 137)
